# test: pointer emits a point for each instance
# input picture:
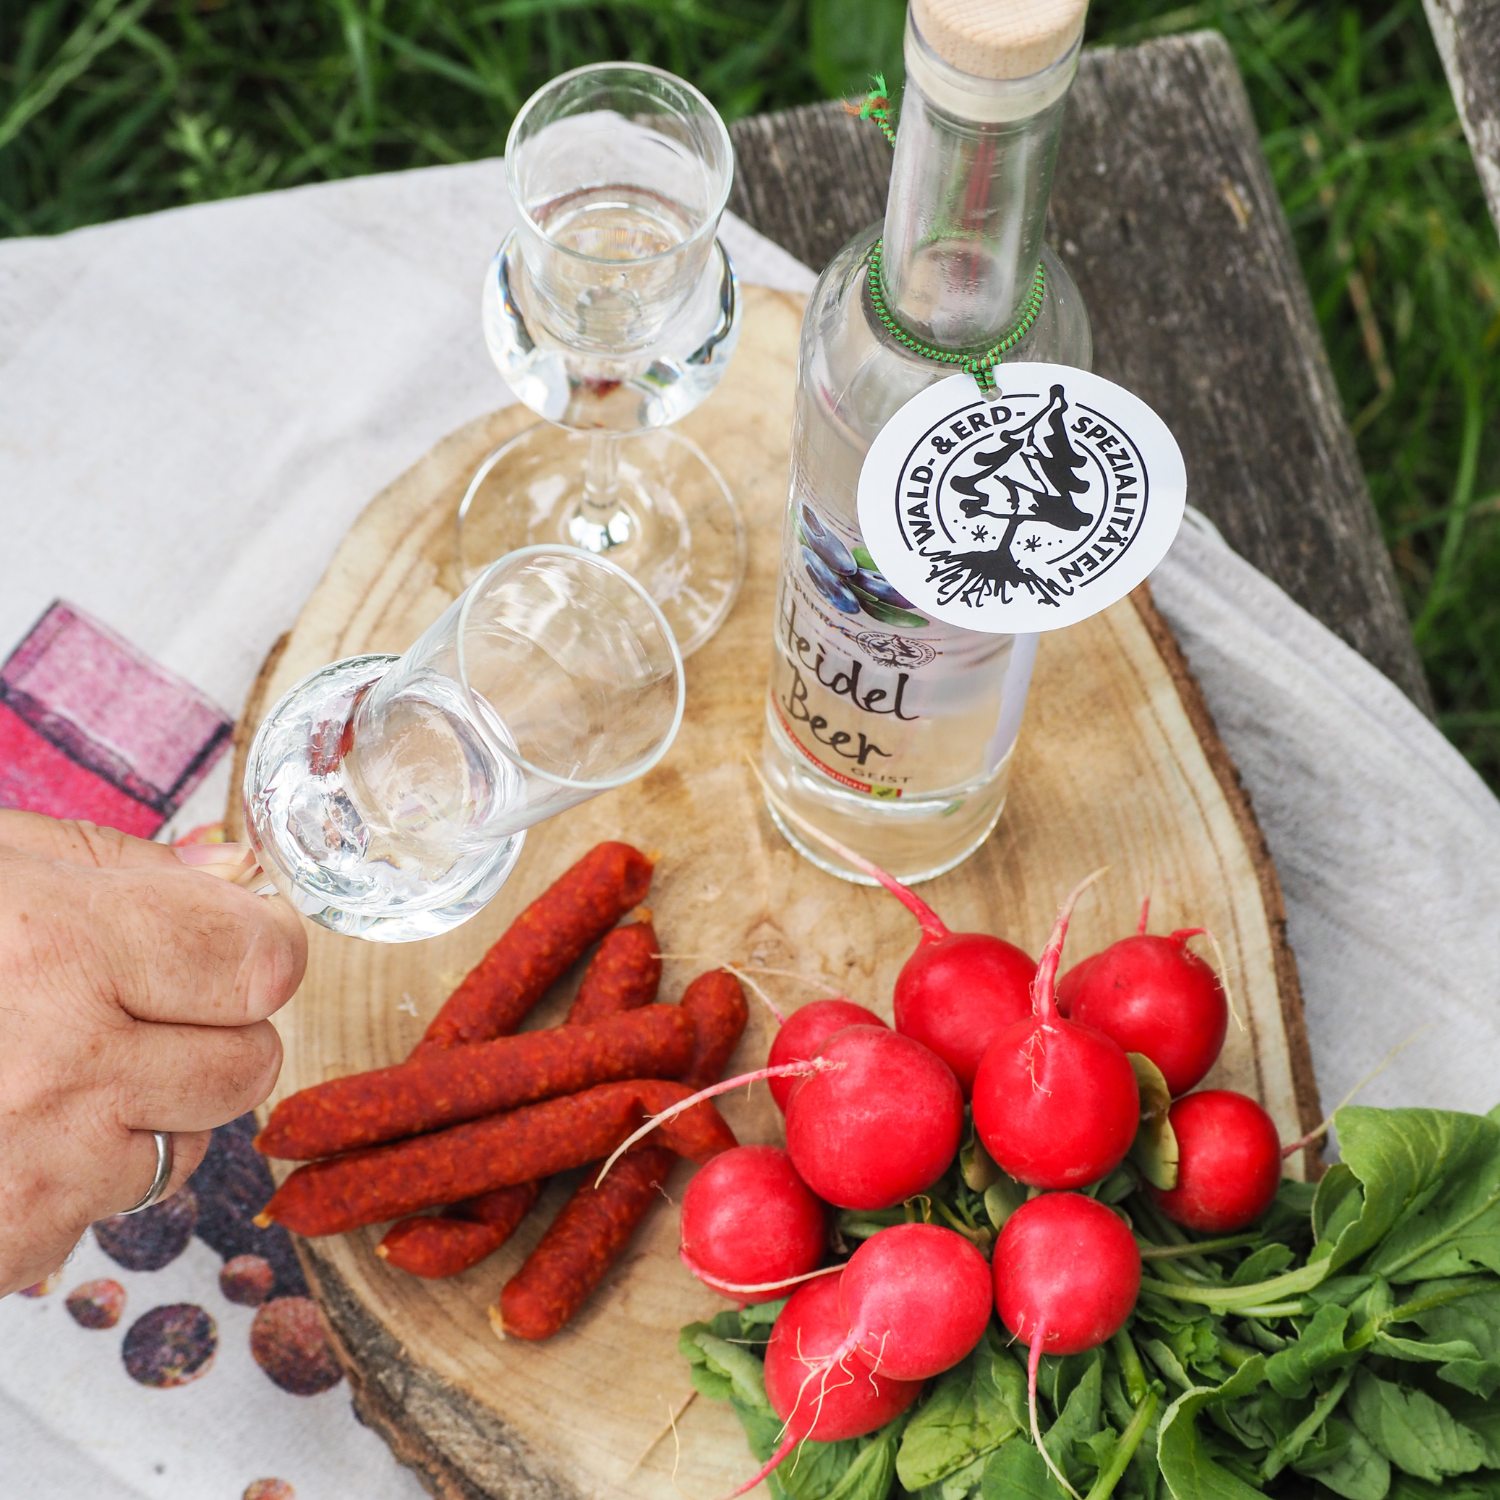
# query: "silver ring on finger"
(158, 1187)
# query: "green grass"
(122, 106)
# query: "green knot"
(980, 366)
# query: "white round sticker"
(1030, 508)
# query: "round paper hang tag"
(1030, 508)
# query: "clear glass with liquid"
(889, 731)
(388, 797)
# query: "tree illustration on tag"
(1028, 508)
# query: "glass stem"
(601, 522)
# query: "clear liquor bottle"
(892, 732)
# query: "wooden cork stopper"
(999, 38)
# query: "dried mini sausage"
(596, 1224)
(623, 975)
(386, 1182)
(436, 1245)
(442, 1086)
(541, 945)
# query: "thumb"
(71, 842)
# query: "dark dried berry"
(43, 1288)
(169, 1346)
(289, 1342)
(232, 1186)
(269, 1489)
(248, 1280)
(97, 1304)
(153, 1239)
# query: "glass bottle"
(891, 732)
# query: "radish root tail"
(1188, 933)
(934, 929)
(751, 1289)
(783, 1070)
(1033, 1364)
(1319, 1131)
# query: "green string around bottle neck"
(876, 106)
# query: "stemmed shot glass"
(611, 311)
(388, 797)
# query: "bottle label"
(1026, 509)
(877, 697)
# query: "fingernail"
(212, 856)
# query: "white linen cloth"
(195, 406)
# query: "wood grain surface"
(1468, 37)
(1118, 765)
(1164, 211)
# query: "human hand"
(134, 992)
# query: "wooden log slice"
(1119, 765)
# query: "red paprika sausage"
(437, 1245)
(542, 943)
(623, 975)
(443, 1085)
(404, 1177)
(596, 1224)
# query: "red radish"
(879, 1121)
(958, 990)
(1229, 1162)
(1153, 996)
(1055, 1103)
(749, 1219)
(1067, 1273)
(875, 1117)
(916, 1299)
(813, 1394)
(805, 1030)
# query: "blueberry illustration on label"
(847, 578)
(1026, 509)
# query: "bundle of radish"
(1162, 1315)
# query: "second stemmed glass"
(611, 311)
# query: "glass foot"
(671, 521)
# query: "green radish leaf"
(1342, 1461)
(962, 1484)
(1430, 1200)
(1321, 1347)
(1154, 1149)
(1268, 1260)
(1481, 1416)
(1002, 1198)
(721, 1370)
(1455, 1354)
(1473, 1487)
(1016, 1471)
(1413, 1431)
(1473, 1319)
(1186, 1465)
(963, 1417)
(1080, 1417)
(975, 1165)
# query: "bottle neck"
(968, 196)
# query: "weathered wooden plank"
(1468, 37)
(1164, 210)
